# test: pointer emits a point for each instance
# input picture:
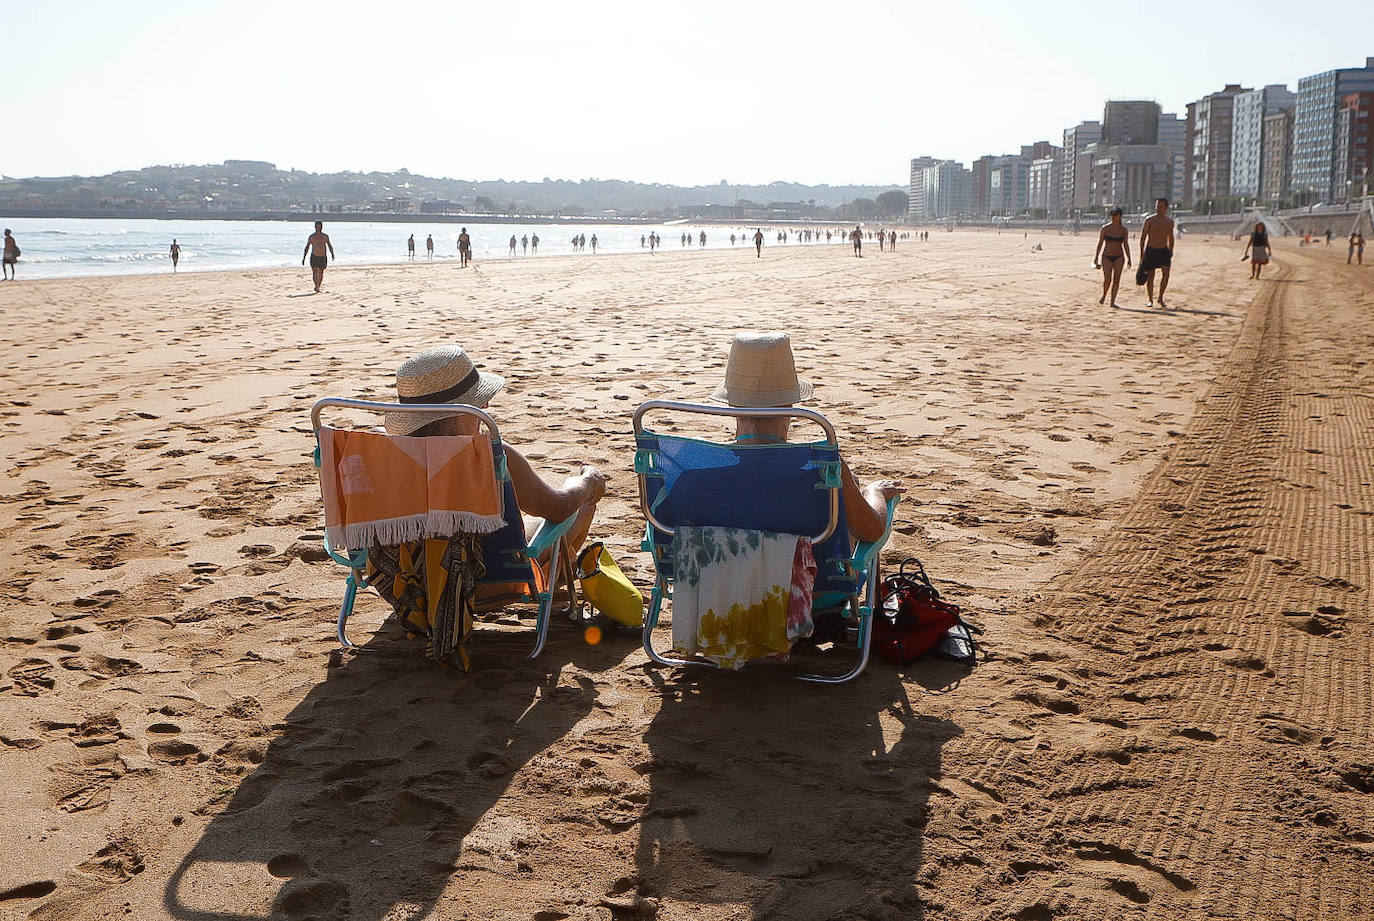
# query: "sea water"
(68, 247)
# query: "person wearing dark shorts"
(319, 249)
(10, 260)
(1156, 251)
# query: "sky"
(651, 91)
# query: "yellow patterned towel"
(392, 489)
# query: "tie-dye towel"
(740, 595)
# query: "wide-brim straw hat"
(440, 375)
(761, 372)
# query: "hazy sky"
(684, 93)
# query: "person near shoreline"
(1356, 250)
(429, 247)
(857, 238)
(525, 245)
(512, 244)
(176, 254)
(316, 247)
(410, 248)
(464, 249)
(703, 238)
(1112, 255)
(1257, 249)
(534, 244)
(1156, 252)
(758, 244)
(1328, 236)
(10, 260)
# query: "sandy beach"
(1164, 522)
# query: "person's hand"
(595, 479)
(1097, 265)
(888, 489)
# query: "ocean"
(66, 247)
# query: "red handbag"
(912, 621)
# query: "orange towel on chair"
(390, 489)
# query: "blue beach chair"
(792, 488)
(506, 554)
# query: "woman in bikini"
(1112, 254)
(1257, 250)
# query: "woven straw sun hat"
(761, 372)
(440, 375)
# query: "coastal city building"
(1209, 143)
(916, 192)
(1277, 164)
(1247, 135)
(1129, 176)
(1173, 132)
(1074, 176)
(1130, 121)
(1043, 192)
(1354, 151)
(945, 190)
(1315, 174)
(1008, 188)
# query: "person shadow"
(365, 805)
(772, 798)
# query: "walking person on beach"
(410, 248)
(10, 259)
(1356, 247)
(1257, 250)
(1112, 255)
(857, 238)
(464, 249)
(1156, 252)
(703, 238)
(758, 244)
(534, 244)
(593, 244)
(525, 245)
(176, 254)
(512, 244)
(316, 247)
(429, 247)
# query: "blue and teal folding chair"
(506, 555)
(786, 488)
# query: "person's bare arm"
(866, 507)
(1144, 235)
(330, 243)
(552, 503)
(1126, 246)
(1101, 241)
(1169, 241)
(306, 252)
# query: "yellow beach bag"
(607, 589)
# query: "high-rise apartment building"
(1355, 146)
(1173, 133)
(944, 190)
(1075, 140)
(1277, 164)
(1209, 143)
(1130, 121)
(1247, 135)
(1008, 184)
(1315, 116)
(916, 206)
(1042, 195)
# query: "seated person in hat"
(447, 375)
(761, 372)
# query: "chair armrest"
(864, 550)
(546, 535)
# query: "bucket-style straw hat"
(761, 372)
(440, 375)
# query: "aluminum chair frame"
(549, 537)
(865, 558)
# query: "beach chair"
(403, 500)
(792, 488)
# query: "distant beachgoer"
(1156, 251)
(176, 254)
(512, 244)
(758, 244)
(882, 240)
(703, 238)
(534, 243)
(316, 246)
(429, 246)
(857, 238)
(1356, 247)
(464, 249)
(410, 248)
(732, 239)
(582, 242)
(593, 244)
(525, 243)
(10, 260)
(643, 240)
(1328, 236)
(1113, 254)
(892, 241)
(1257, 249)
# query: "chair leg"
(345, 609)
(546, 601)
(656, 597)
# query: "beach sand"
(1163, 521)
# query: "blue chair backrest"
(503, 550)
(765, 487)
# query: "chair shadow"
(794, 800)
(363, 802)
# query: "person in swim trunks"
(1156, 251)
(1113, 253)
(10, 260)
(464, 249)
(320, 251)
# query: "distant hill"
(243, 185)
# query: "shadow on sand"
(361, 807)
(775, 799)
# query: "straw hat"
(761, 372)
(440, 375)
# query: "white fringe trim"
(391, 531)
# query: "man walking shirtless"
(1156, 251)
(315, 247)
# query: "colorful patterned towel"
(390, 489)
(740, 595)
(432, 585)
